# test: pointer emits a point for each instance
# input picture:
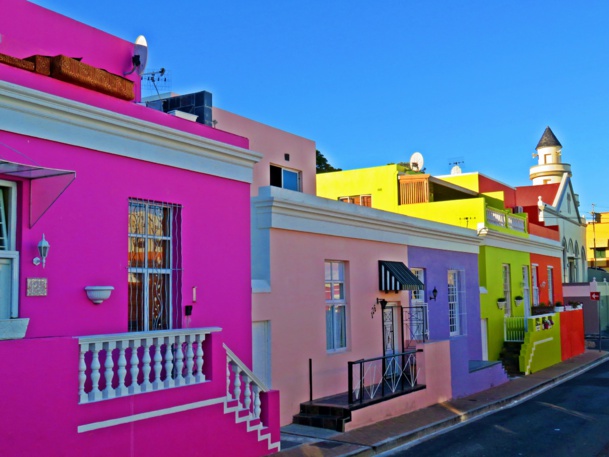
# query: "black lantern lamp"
(43, 251)
(434, 294)
(379, 301)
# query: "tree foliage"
(323, 166)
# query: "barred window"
(153, 265)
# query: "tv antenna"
(455, 168)
(157, 80)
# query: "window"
(362, 200)
(507, 289)
(286, 178)
(456, 302)
(336, 314)
(9, 257)
(418, 295)
(550, 285)
(535, 280)
(153, 265)
(600, 253)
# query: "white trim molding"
(143, 416)
(38, 114)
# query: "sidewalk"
(300, 440)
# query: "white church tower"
(549, 169)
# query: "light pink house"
(128, 200)
(326, 280)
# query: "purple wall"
(465, 347)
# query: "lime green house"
(510, 283)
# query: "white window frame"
(334, 306)
(10, 253)
(457, 312)
(535, 283)
(550, 286)
(506, 274)
(418, 296)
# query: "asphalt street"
(571, 419)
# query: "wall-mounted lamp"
(434, 294)
(379, 301)
(43, 251)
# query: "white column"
(82, 376)
(146, 365)
(158, 367)
(199, 377)
(109, 370)
(257, 402)
(95, 393)
(121, 389)
(169, 382)
(237, 390)
(247, 395)
(190, 359)
(179, 380)
(135, 370)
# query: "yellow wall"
(380, 182)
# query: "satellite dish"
(416, 161)
(455, 170)
(140, 56)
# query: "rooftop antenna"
(156, 79)
(140, 56)
(416, 162)
(455, 169)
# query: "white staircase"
(243, 390)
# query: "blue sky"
(373, 82)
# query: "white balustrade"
(243, 386)
(157, 360)
(495, 217)
(516, 223)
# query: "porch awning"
(394, 276)
(47, 184)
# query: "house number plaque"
(36, 287)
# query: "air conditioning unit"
(518, 209)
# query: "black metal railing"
(371, 380)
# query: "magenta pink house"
(125, 294)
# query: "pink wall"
(296, 310)
(87, 231)
(43, 418)
(274, 144)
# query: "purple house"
(125, 295)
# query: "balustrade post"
(95, 393)
(199, 373)
(350, 381)
(190, 360)
(361, 381)
(247, 395)
(228, 372)
(237, 384)
(257, 402)
(146, 365)
(82, 375)
(169, 381)
(179, 365)
(121, 389)
(158, 366)
(109, 370)
(135, 369)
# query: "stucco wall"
(296, 309)
(274, 144)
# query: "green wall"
(541, 348)
(491, 261)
